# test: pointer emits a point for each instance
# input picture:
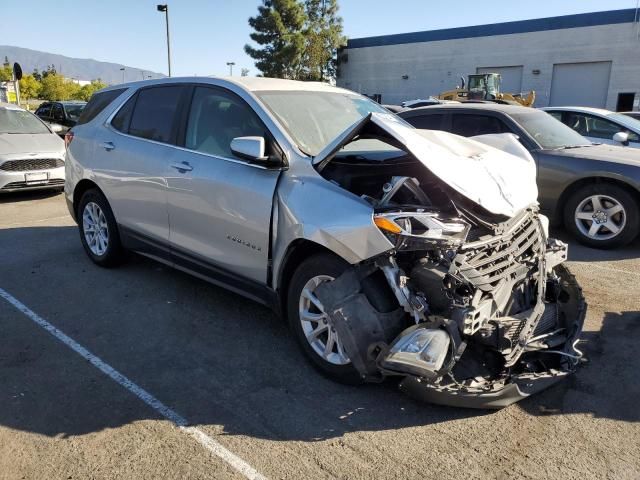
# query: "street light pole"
(165, 8)
(231, 64)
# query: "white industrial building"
(590, 59)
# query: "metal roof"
(610, 17)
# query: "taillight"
(68, 138)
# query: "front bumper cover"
(517, 387)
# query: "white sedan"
(599, 125)
(31, 154)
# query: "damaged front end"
(481, 314)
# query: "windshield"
(549, 132)
(20, 121)
(74, 111)
(314, 119)
(626, 121)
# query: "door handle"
(182, 167)
(108, 146)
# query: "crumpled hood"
(500, 182)
(12, 144)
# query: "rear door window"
(471, 125)
(427, 122)
(99, 101)
(154, 114)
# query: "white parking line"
(202, 438)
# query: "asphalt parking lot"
(229, 367)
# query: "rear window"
(472, 125)
(427, 122)
(154, 113)
(99, 101)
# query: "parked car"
(424, 102)
(390, 251)
(31, 154)
(65, 114)
(600, 126)
(635, 115)
(593, 189)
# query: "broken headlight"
(411, 230)
(418, 351)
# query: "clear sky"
(205, 34)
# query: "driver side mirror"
(249, 148)
(621, 137)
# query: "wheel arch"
(297, 251)
(81, 187)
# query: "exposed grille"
(31, 164)
(18, 185)
(513, 253)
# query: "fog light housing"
(418, 351)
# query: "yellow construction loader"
(486, 86)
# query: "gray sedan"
(593, 189)
(31, 154)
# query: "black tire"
(114, 253)
(632, 224)
(319, 264)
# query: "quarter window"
(44, 110)
(98, 102)
(471, 125)
(154, 113)
(216, 118)
(122, 119)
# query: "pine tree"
(323, 35)
(279, 31)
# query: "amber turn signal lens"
(386, 225)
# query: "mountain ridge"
(71, 67)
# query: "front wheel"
(309, 322)
(602, 216)
(98, 230)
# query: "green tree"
(29, 87)
(86, 91)
(55, 87)
(6, 73)
(278, 30)
(323, 36)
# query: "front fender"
(314, 209)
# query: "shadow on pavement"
(14, 197)
(582, 253)
(215, 357)
(608, 383)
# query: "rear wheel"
(602, 216)
(98, 230)
(309, 322)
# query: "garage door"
(580, 84)
(511, 77)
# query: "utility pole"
(165, 8)
(231, 64)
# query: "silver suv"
(391, 251)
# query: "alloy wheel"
(600, 217)
(315, 324)
(96, 231)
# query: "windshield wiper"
(568, 147)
